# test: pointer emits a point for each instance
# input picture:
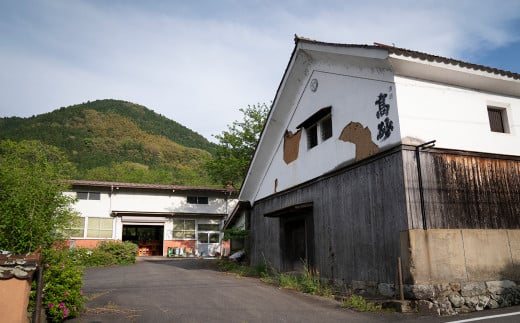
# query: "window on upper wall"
(88, 195)
(197, 200)
(326, 127)
(312, 136)
(318, 127)
(498, 119)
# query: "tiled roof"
(151, 186)
(18, 266)
(419, 55)
(439, 59)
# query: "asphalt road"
(193, 290)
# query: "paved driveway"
(193, 290)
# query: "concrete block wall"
(460, 255)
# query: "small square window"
(312, 136)
(497, 119)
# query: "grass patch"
(360, 303)
(307, 282)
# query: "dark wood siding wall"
(464, 190)
(357, 215)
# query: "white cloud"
(198, 65)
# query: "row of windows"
(185, 229)
(97, 196)
(182, 229)
(322, 130)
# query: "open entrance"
(296, 236)
(294, 244)
(149, 238)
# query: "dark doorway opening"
(297, 241)
(148, 238)
(294, 251)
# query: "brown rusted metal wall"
(464, 190)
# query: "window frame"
(312, 136)
(208, 234)
(88, 195)
(184, 230)
(196, 199)
(100, 228)
(319, 132)
(318, 127)
(500, 115)
(326, 127)
(78, 225)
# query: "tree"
(237, 145)
(33, 209)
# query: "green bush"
(105, 254)
(62, 294)
(123, 252)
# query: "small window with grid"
(88, 195)
(183, 229)
(99, 228)
(197, 200)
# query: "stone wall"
(453, 298)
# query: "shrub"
(123, 253)
(105, 254)
(62, 295)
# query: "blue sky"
(198, 62)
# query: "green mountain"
(118, 141)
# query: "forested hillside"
(118, 141)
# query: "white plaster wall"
(93, 208)
(352, 96)
(456, 117)
(139, 202)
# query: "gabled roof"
(416, 54)
(403, 62)
(103, 184)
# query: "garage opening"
(148, 238)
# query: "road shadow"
(184, 263)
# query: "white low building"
(159, 218)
